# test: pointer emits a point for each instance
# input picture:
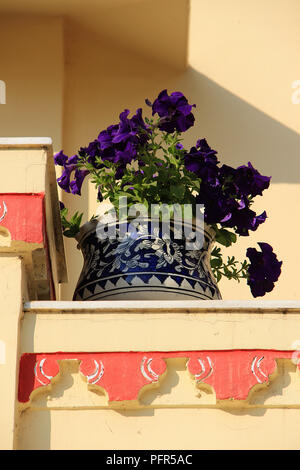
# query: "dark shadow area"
(244, 411)
(59, 384)
(281, 379)
(135, 413)
(239, 131)
(34, 432)
(167, 383)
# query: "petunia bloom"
(76, 184)
(119, 143)
(244, 219)
(60, 158)
(264, 269)
(64, 181)
(250, 181)
(202, 161)
(174, 111)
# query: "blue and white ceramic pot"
(143, 264)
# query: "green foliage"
(223, 236)
(232, 269)
(71, 227)
(160, 179)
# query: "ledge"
(227, 353)
(25, 142)
(159, 325)
(161, 306)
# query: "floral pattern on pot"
(144, 264)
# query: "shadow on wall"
(239, 131)
(34, 431)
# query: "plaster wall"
(12, 295)
(175, 412)
(171, 428)
(242, 62)
(32, 67)
(237, 112)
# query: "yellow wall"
(69, 86)
(242, 61)
(162, 428)
(31, 65)
(11, 305)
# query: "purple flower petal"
(174, 111)
(264, 269)
(60, 158)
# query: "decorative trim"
(23, 216)
(123, 375)
(4, 211)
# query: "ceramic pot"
(143, 264)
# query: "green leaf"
(224, 237)
(70, 233)
(216, 263)
(177, 191)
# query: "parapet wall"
(129, 374)
(153, 375)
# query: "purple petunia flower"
(204, 148)
(218, 207)
(264, 269)
(119, 143)
(64, 181)
(250, 181)
(60, 158)
(76, 184)
(202, 161)
(120, 171)
(244, 219)
(179, 146)
(72, 162)
(174, 111)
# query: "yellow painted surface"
(267, 419)
(240, 76)
(241, 66)
(30, 161)
(148, 331)
(31, 51)
(164, 428)
(243, 60)
(12, 294)
(68, 83)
